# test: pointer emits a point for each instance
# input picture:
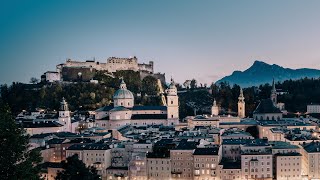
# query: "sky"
(205, 40)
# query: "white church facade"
(124, 112)
(62, 124)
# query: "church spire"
(273, 95)
(241, 97)
(273, 86)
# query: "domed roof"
(123, 92)
(172, 85)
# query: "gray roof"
(105, 108)
(266, 106)
(206, 151)
(312, 147)
(120, 108)
(40, 124)
(89, 147)
(161, 108)
(148, 116)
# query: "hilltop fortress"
(73, 70)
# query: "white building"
(311, 160)
(313, 108)
(288, 166)
(256, 160)
(206, 161)
(124, 112)
(52, 76)
(62, 124)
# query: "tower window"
(172, 116)
(171, 102)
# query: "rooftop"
(89, 147)
(282, 145)
(313, 147)
(105, 108)
(230, 164)
(206, 151)
(161, 108)
(148, 116)
(266, 106)
(40, 124)
(186, 145)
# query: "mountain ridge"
(260, 73)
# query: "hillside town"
(125, 140)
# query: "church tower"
(241, 105)
(172, 103)
(215, 108)
(64, 116)
(273, 95)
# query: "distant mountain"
(261, 73)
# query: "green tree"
(149, 86)
(74, 169)
(16, 160)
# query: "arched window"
(273, 118)
(267, 117)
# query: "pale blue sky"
(202, 39)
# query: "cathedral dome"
(123, 92)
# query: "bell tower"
(241, 105)
(64, 116)
(172, 102)
(214, 108)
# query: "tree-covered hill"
(80, 95)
